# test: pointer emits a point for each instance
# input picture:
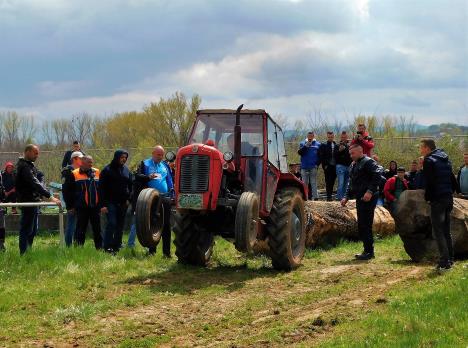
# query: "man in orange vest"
(86, 204)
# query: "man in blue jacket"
(440, 184)
(309, 152)
(154, 173)
(116, 190)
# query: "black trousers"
(440, 219)
(83, 216)
(166, 231)
(28, 228)
(330, 178)
(115, 225)
(365, 220)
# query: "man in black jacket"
(440, 186)
(76, 147)
(411, 175)
(364, 181)
(327, 158)
(116, 190)
(29, 189)
(343, 161)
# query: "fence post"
(61, 227)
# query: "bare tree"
(11, 127)
(281, 121)
(61, 129)
(47, 132)
(2, 120)
(27, 129)
(81, 127)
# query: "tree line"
(168, 122)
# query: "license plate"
(190, 201)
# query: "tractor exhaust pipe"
(237, 139)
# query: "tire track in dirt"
(185, 316)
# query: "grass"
(431, 314)
(81, 296)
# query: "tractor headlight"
(170, 156)
(228, 156)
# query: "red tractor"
(231, 179)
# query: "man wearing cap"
(86, 201)
(8, 179)
(68, 195)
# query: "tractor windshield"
(219, 128)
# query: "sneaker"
(364, 256)
(443, 268)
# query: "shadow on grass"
(183, 279)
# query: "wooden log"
(413, 224)
(329, 222)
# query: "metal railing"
(42, 204)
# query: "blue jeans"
(342, 172)
(115, 225)
(28, 228)
(132, 234)
(71, 227)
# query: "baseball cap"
(76, 154)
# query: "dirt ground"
(237, 307)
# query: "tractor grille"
(194, 173)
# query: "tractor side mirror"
(170, 156)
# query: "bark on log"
(329, 222)
(413, 224)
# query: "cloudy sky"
(383, 57)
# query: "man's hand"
(71, 211)
(56, 201)
(104, 210)
(153, 175)
(367, 196)
(344, 201)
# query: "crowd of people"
(90, 193)
(361, 177)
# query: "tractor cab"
(232, 179)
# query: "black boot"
(2, 245)
(364, 256)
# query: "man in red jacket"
(364, 139)
(394, 187)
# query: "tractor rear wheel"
(149, 217)
(246, 223)
(194, 244)
(286, 229)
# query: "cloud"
(63, 57)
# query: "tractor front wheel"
(286, 229)
(194, 244)
(246, 224)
